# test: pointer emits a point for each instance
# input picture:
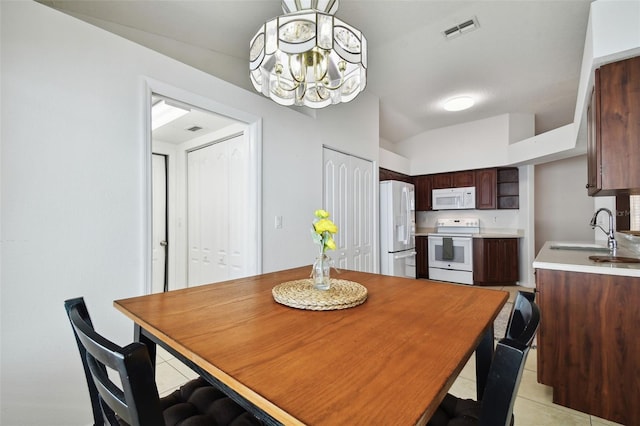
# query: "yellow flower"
(321, 214)
(322, 231)
(330, 244)
(325, 225)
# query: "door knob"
(163, 243)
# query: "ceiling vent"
(193, 128)
(462, 28)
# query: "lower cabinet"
(422, 261)
(495, 261)
(588, 346)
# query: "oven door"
(451, 252)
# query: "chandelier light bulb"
(308, 56)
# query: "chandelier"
(308, 56)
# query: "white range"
(451, 250)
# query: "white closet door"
(194, 160)
(208, 214)
(237, 206)
(362, 252)
(349, 197)
(336, 202)
(217, 211)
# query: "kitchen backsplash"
(490, 220)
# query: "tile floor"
(533, 405)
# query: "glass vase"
(321, 272)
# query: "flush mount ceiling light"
(163, 113)
(308, 56)
(459, 103)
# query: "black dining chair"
(505, 373)
(135, 400)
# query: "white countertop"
(578, 260)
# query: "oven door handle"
(402, 256)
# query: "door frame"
(165, 190)
(254, 134)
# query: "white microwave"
(454, 198)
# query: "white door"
(349, 197)
(237, 206)
(216, 197)
(159, 208)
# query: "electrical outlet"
(278, 222)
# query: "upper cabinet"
(613, 116)
(496, 188)
(486, 185)
(386, 174)
(423, 192)
(508, 195)
(464, 179)
(442, 180)
(453, 179)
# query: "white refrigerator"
(397, 229)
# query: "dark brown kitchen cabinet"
(495, 261)
(486, 186)
(423, 192)
(386, 174)
(463, 179)
(613, 136)
(454, 179)
(442, 180)
(593, 143)
(496, 188)
(508, 188)
(422, 261)
(588, 342)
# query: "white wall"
(473, 145)
(74, 190)
(392, 161)
(563, 208)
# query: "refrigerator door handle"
(405, 213)
(403, 255)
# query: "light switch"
(278, 222)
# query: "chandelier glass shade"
(308, 56)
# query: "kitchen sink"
(614, 259)
(579, 246)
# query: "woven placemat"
(301, 294)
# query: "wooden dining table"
(389, 360)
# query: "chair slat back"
(136, 400)
(508, 362)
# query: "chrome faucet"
(611, 239)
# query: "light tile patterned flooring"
(533, 405)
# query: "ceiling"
(525, 57)
(189, 126)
